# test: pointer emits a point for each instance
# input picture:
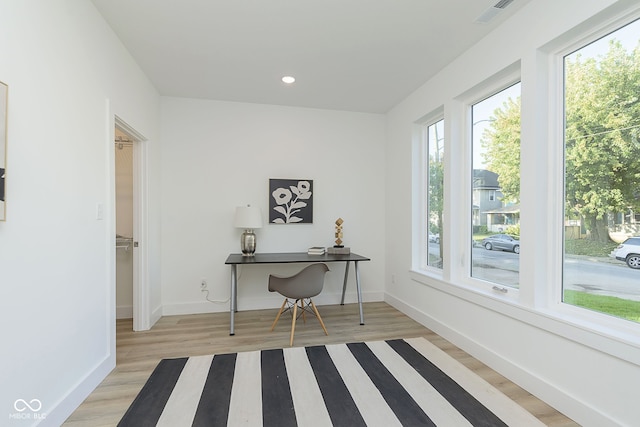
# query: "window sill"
(616, 337)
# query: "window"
(602, 175)
(435, 192)
(495, 188)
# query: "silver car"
(502, 242)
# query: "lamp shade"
(248, 217)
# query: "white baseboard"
(70, 402)
(577, 410)
(156, 314)
(274, 301)
(124, 312)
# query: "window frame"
(606, 324)
(539, 299)
(421, 190)
(498, 82)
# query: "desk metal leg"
(233, 299)
(359, 292)
(344, 286)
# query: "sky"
(628, 35)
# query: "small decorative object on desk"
(339, 251)
(339, 223)
(339, 248)
(316, 250)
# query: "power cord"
(204, 289)
(213, 300)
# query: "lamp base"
(248, 243)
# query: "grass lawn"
(588, 247)
(614, 306)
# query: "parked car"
(503, 242)
(629, 252)
(434, 238)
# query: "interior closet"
(124, 224)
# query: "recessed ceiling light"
(288, 79)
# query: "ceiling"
(352, 55)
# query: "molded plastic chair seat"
(300, 287)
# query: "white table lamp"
(248, 218)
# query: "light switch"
(99, 211)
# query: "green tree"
(436, 191)
(602, 153)
(501, 146)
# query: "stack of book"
(316, 250)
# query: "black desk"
(287, 258)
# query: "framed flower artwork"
(290, 201)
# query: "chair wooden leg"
(293, 322)
(279, 314)
(318, 316)
(304, 319)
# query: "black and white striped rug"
(406, 382)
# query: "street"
(595, 275)
(602, 276)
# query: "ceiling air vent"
(502, 4)
(493, 11)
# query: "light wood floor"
(176, 336)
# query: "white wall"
(57, 278)
(67, 73)
(219, 155)
(582, 369)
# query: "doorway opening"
(124, 146)
(131, 283)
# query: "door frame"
(141, 292)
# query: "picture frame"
(290, 201)
(4, 89)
